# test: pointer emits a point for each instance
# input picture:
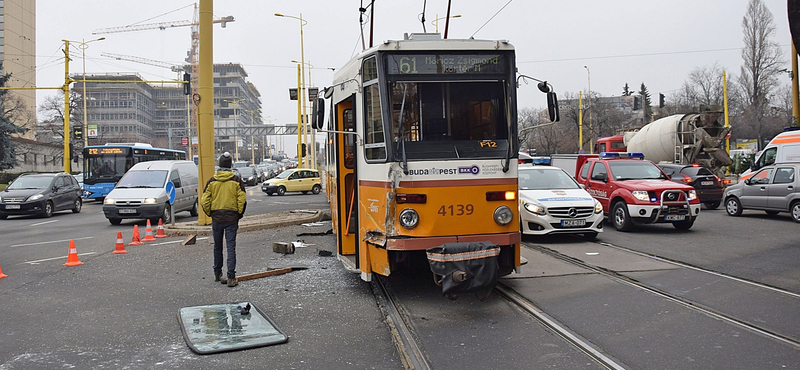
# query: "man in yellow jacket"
(225, 200)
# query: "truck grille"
(570, 212)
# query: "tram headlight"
(503, 215)
(409, 218)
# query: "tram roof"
(419, 42)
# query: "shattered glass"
(227, 327)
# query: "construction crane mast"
(192, 59)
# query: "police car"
(551, 202)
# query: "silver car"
(772, 189)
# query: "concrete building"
(18, 55)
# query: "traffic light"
(303, 149)
(187, 86)
(661, 100)
(77, 132)
(637, 103)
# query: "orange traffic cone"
(72, 258)
(148, 233)
(120, 247)
(160, 232)
(136, 238)
(2, 275)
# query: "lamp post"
(435, 22)
(83, 44)
(302, 83)
(306, 125)
(589, 110)
(235, 124)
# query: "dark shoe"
(223, 279)
(217, 276)
(232, 282)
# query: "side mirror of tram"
(552, 106)
(317, 113)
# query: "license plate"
(573, 223)
(127, 210)
(706, 183)
(675, 217)
(12, 206)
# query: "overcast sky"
(655, 42)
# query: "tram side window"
(349, 145)
(374, 140)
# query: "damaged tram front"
(421, 154)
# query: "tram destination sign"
(434, 64)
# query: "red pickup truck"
(634, 190)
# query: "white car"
(552, 202)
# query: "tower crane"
(192, 59)
(131, 58)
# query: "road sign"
(91, 131)
(170, 192)
(184, 141)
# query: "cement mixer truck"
(683, 139)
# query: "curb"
(250, 223)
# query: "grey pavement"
(121, 310)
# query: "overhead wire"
(490, 19)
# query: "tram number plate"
(456, 210)
(12, 206)
(675, 217)
(127, 210)
(706, 183)
(573, 223)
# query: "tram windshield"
(446, 120)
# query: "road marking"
(56, 258)
(42, 223)
(50, 242)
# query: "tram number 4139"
(456, 210)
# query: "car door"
(180, 198)
(755, 190)
(781, 188)
(293, 181)
(60, 194)
(597, 184)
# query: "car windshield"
(143, 179)
(284, 174)
(31, 182)
(541, 179)
(635, 170)
(246, 171)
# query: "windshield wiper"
(402, 131)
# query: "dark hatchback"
(708, 186)
(41, 194)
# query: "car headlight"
(503, 215)
(108, 201)
(36, 197)
(692, 194)
(149, 200)
(534, 208)
(641, 195)
(251, 177)
(597, 207)
(409, 218)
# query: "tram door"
(346, 191)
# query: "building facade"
(18, 55)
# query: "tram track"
(698, 307)
(407, 343)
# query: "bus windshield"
(446, 120)
(109, 168)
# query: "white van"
(142, 194)
(784, 147)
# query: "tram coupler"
(464, 267)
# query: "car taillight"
(411, 198)
(686, 179)
(726, 182)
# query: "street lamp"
(235, 124)
(589, 111)
(306, 98)
(302, 82)
(83, 44)
(435, 22)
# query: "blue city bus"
(105, 164)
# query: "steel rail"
(413, 356)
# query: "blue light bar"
(618, 155)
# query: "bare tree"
(762, 61)
(13, 118)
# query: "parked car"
(41, 194)
(551, 202)
(296, 179)
(248, 175)
(707, 185)
(772, 189)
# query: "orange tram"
(421, 152)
